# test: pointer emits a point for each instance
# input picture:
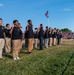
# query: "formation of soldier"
(11, 38)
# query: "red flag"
(46, 14)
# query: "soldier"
(7, 39)
(50, 37)
(1, 38)
(26, 38)
(41, 36)
(21, 37)
(58, 37)
(30, 36)
(46, 35)
(16, 33)
(36, 37)
(54, 36)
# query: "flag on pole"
(47, 14)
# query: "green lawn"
(51, 61)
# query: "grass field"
(51, 61)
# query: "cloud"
(67, 9)
(1, 5)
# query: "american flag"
(46, 14)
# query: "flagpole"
(48, 21)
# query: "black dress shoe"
(40, 49)
(29, 52)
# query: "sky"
(61, 12)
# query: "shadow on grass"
(24, 52)
(8, 55)
(67, 64)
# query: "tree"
(66, 30)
